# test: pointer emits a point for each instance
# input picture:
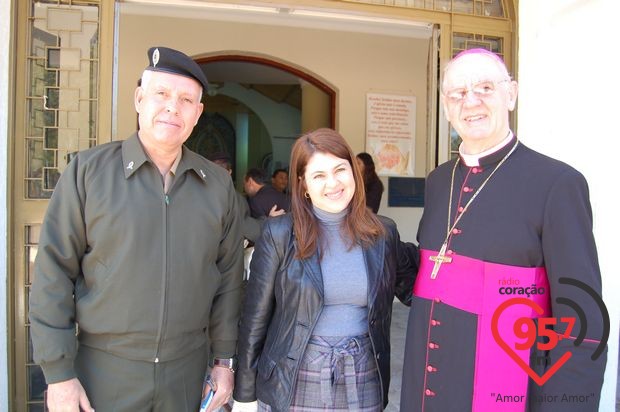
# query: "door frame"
(21, 212)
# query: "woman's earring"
(307, 195)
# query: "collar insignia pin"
(203, 174)
(130, 165)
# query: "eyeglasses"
(480, 90)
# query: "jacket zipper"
(162, 309)
(372, 342)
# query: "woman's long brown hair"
(360, 224)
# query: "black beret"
(164, 59)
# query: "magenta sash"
(475, 286)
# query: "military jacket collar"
(134, 157)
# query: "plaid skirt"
(336, 374)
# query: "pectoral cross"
(440, 259)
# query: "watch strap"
(228, 363)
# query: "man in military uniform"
(141, 248)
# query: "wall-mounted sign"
(390, 133)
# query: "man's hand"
(276, 212)
(67, 396)
(224, 380)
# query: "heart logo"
(540, 380)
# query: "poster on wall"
(390, 133)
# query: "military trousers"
(116, 384)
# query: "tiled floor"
(399, 329)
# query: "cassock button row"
(437, 300)
(435, 322)
(476, 170)
(433, 345)
(450, 252)
(429, 392)
(456, 231)
(431, 368)
(467, 189)
(460, 209)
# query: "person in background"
(499, 222)
(372, 183)
(141, 248)
(279, 180)
(314, 333)
(261, 196)
(250, 227)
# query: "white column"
(568, 109)
(5, 33)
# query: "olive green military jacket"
(146, 275)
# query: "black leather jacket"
(284, 299)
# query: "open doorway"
(255, 109)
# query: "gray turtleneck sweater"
(345, 311)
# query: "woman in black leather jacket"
(315, 328)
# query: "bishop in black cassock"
(502, 222)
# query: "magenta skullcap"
(484, 52)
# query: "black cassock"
(527, 231)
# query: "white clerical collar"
(474, 159)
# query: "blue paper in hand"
(208, 390)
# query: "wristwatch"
(228, 363)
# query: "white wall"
(568, 109)
(5, 88)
